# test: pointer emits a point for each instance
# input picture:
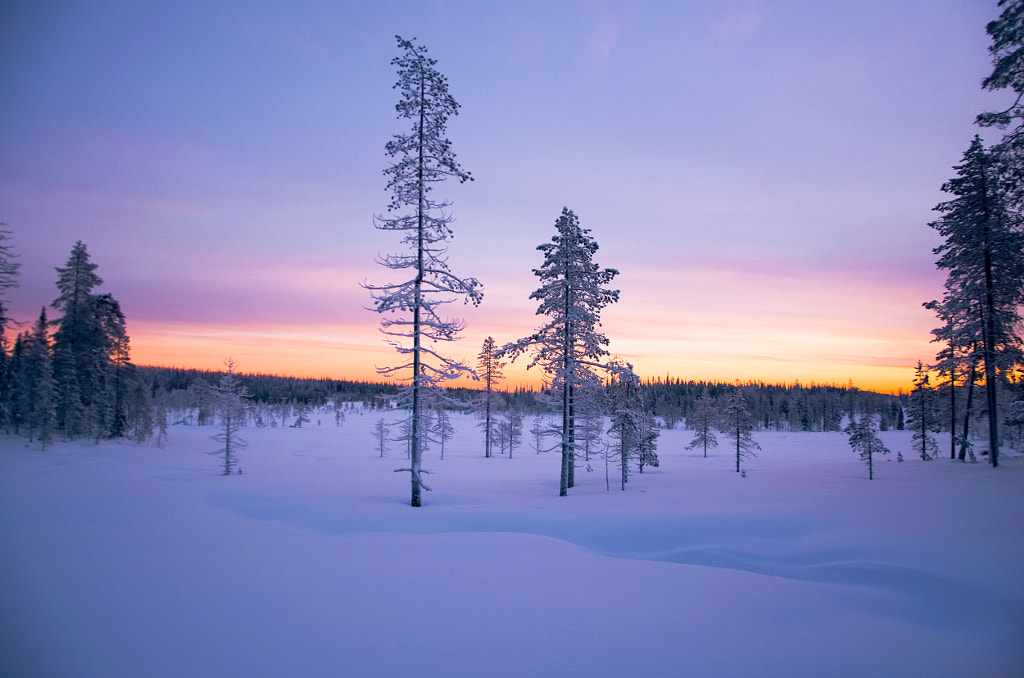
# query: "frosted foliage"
(412, 322)
(569, 346)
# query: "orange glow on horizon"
(354, 353)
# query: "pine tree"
(380, 434)
(9, 270)
(161, 418)
(983, 253)
(421, 159)
(625, 424)
(631, 424)
(488, 369)
(75, 353)
(538, 430)
(230, 395)
(738, 424)
(8, 280)
(958, 359)
(647, 442)
(864, 440)
(922, 420)
(705, 414)
(443, 427)
(515, 430)
(113, 367)
(1007, 50)
(37, 392)
(569, 346)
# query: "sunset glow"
(761, 174)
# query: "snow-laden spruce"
(704, 416)
(921, 416)
(421, 159)
(738, 423)
(488, 369)
(569, 347)
(865, 441)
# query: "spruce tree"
(705, 414)
(738, 423)
(569, 347)
(37, 389)
(921, 414)
(488, 370)
(421, 159)
(380, 436)
(1007, 50)
(230, 395)
(75, 353)
(864, 441)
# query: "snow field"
(120, 560)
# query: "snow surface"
(123, 560)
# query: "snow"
(125, 560)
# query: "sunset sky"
(761, 173)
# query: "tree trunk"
(737, 449)
(967, 412)
(414, 430)
(952, 405)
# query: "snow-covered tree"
(569, 346)
(442, 428)
(983, 253)
(538, 430)
(515, 430)
(35, 384)
(8, 280)
(1007, 50)
(631, 425)
(421, 159)
(647, 442)
(738, 424)
(230, 395)
(161, 418)
(703, 419)
(590, 421)
(865, 441)
(9, 269)
(957, 361)
(488, 370)
(75, 352)
(380, 435)
(921, 414)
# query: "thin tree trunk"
(737, 449)
(990, 367)
(414, 431)
(568, 374)
(967, 411)
(952, 403)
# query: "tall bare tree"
(421, 159)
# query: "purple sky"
(761, 173)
